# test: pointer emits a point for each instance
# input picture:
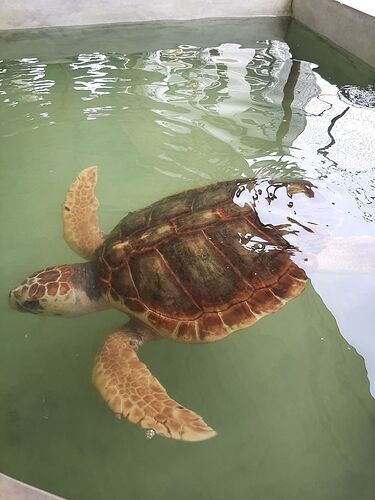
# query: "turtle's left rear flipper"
(132, 391)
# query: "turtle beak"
(31, 306)
(15, 302)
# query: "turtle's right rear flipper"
(132, 391)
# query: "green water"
(160, 109)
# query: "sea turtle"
(193, 267)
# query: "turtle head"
(61, 290)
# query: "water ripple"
(254, 110)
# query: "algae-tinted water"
(160, 109)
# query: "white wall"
(17, 14)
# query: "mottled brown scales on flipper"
(81, 230)
(131, 391)
(192, 267)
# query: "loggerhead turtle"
(193, 267)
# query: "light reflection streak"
(217, 111)
(258, 102)
(94, 80)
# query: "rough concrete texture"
(349, 28)
(18, 14)
(10, 489)
(53, 44)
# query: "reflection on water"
(273, 113)
(159, 122)
(363, 97)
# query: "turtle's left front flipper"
(79, 210)
(132, 391)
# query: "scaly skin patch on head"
(79, 210)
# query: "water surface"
(290, 397)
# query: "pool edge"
(12, 489)
(341, 24)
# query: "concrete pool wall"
(10, 489)
(46, 13)
(347, 27)
(352, 28)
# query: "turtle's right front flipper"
(132, 391)
(81, 229)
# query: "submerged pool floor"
(290, 397)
